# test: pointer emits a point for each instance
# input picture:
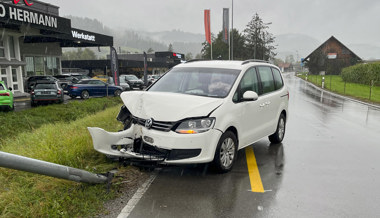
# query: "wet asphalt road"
(327, 166)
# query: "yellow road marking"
(253, 170)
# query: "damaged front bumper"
(141, 143)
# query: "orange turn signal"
(187, 131)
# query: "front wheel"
(278, 136)
(117, 92)
(85, 94)
(226, 152)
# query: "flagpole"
(229, 42)
(210, 35)
(232, 32)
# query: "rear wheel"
(278, 136)
(226, 152)
(85, 94)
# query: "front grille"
(156, 125)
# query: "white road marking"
(136, 197)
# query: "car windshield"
(45, 86)
(131, 77)
(211, 82)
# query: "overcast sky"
(351, 21)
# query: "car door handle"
(262, 105)
(267, 103)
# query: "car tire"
(84, 94)
(278, 136)
(117, 92)
(13, 107)
(33, 103)
(226, 152)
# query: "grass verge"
(337, 85)
(30, 195)
(14, 123)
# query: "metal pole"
(232, 32)
(17, 162)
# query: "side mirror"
(10, 89)
(250, 96)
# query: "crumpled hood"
(164, 106)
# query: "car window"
(45, 86)
(197, 81)
(1, 87)
(277, 79)
(266, 78)
(249, 82)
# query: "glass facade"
(42, 66)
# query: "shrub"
(362, 74)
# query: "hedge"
(362, 74)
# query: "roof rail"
(194, 60)
(254, 60)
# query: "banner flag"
(207, 26)
(226, 22)
(114, 66)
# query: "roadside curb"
(339, 95)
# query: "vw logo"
(148, 123)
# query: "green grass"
(14, 123)
(69, 143)
(337, 85)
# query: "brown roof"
(331, 38)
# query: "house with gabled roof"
(330, 57)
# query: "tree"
(220, 49)
(79, 54)
(289, 59)
(258, 41)
(189, 56)
(170, 48)
(150, 50)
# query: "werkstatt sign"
(12, 14)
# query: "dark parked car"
(31, 81)
(65, 80)
(92, 87)
(132, 80)
(46, 91)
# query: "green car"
(6, 97)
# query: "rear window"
(277, 79)
(45, 86)
(266, 77)
(2, 87)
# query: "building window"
(3, 75)
(29, 68)
(14, 79)
(12, 53)
(2, 50)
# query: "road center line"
(253, 170)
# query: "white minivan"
(200, 112)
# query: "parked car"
(123, 84)
(200, 112)
(46, 91)
(93, 87)
(6, 97)
(152, 79)
(103, 78)
(132, 80)
(30, 82)
(78, 76)
(65, 80)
